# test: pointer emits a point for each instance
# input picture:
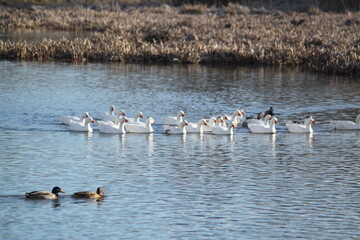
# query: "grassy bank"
(283, 5)
(319, 41)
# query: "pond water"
(245, 186)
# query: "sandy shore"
(318, 41)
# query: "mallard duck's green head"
(56, 190)
(100, 191)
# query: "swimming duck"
(235, 117)
(66, 119)
(136, 119)
(295, 127)
(82, 126)
(248, 120)
(264, 128)
(90, 195)
(173, 120)
(110, 116)
(44, 194)
(110, 127)
(221, 130)
(197, 127)
(270, 112)
(264, 121)
(211, 123)
(120, 115)
(141, 128)
(221, 121)
(347, 125)
(179, 129)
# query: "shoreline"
(234, 35)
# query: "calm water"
(281, 186)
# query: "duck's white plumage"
(136, 119)
(264, 121)
(264, 128)
(120, 115)
(173, 120)
(114, 119)
(66, 119)
(240, 119)
(179, 129)
(235, 117)
(108, 116)
(221, 130)
(82, 126)
(301, 128)
(141, 128)
(110, 127)
(196, 127)
(220, 121)
(211, 123)
(347, 125)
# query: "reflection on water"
(303, 139)
(251, 186)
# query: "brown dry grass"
(325, 42)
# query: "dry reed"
(325, 42)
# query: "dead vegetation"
(325, 42)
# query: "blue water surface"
(245, 186)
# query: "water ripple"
(246, 186)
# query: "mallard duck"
(44, 194)
(90, 195)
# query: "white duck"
(211, 123)
(66, 119)
(245, 123)
(221, 121)
(196, 127)
(140, 128)
(108, 116)
(136, 119)
(110, 127)
(242, 118)
(220, 130)
(120, 115)
(262, 128)
(173, 120)
(82, 126)
(301, 128)
(235, 117)
(264, 121)
(179, 129)
(115, 119)
(347, 125)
